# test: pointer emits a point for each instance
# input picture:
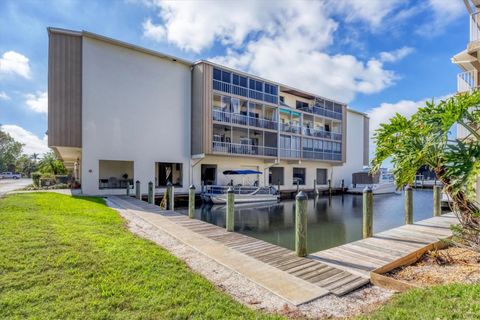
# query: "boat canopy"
(241, 172)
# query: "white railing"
(245, 149)
(467, 81)
(474, 27)
(241, 119)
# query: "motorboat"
(381, 182)
(242, 193)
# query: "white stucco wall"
(136, 107)
(355, 148)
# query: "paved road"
(7, 185)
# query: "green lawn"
(64, 257)
(456, 301)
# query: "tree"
(424, 140)
(10, 150)
(50, 164)
(26, 165)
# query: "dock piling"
(437, 198)
(171, 196)
(150, 193)
(367, 213)
(128, 189)
(343, 185)
(408, 204)
(301, 224)
(230, 214)
(137, 190)
(191, 202)
(329, 187)
(315, 190)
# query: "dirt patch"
(441, 267)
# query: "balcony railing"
(321, 133)
(288, 127)
(245, 149)
(236, 118)
(321, 155)
(323, 112)
(474, 27)
(244, 92)
(467, 81)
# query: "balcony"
(321, 155)
(322, 134)
(244, 92)
(323, 112)
(243, 149)
(467, 81)
(289, 127)
(236, 118)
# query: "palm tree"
(424, 139)
(34, 157)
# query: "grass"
(454, 301)
(64, 257)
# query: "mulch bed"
(441, 267)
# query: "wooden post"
(437, 198)
(301, 224)
(191, 201)
(230, 215)
(343, 185)
(408, 204)
(151, 199)
(329, 186)
(128, 188)
(170, 195)
(298, 186)
(138, 194)
(367, 212)
(278, 188)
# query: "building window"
(282, 99)
(276, 176)
(168, 172)
(217, 74)
(226, 76)
(299, 176)
(115, 174)
(301, 105)
(321, 176)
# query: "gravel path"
(249, 293)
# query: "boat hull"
(386, 188)
(240, 198)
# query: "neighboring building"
(119, 113)
(468, 61)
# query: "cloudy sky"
(379, 56)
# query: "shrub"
(36, 178)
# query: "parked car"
(10, 175)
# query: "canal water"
(332, 221)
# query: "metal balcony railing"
(236, 118)
(244, 149)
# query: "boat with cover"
(243, 193)
(381, 182)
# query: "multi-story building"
(468, 61)
(119, 113)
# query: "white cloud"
(154, 32)
(395, 55)
(4, 96)
(32, 143)
(443, 12)
(13, 62)
(38, 101)
(372, 12)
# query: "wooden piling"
(329, 187)
(128, 189)
(408, 205)
(191, 201)
(171, 196)
(138, 194)
(301, 224)
(367, 212)
(230, 214)
(151, 199)
(437, 198)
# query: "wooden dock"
(338, 270)
(363, 256)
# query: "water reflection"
(332, 220)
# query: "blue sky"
(378, 56)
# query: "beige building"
(120, 113)
(469, 61)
